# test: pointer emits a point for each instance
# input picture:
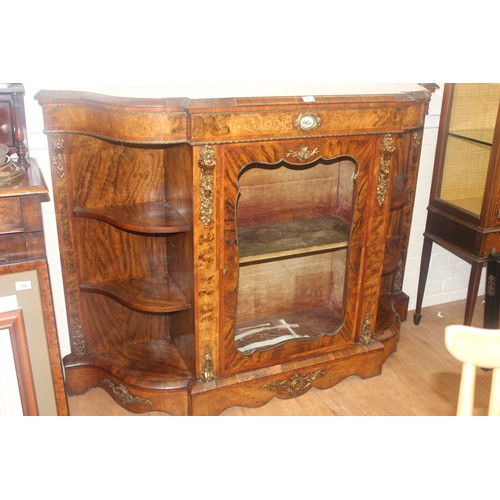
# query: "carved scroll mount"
(77, 335)
(366, 331)
(207, 369)
(123, 394)
(58, 156)
(207, 164)
(296, 385)
(303, 153)
(387, 149)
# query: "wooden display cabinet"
(464, 207)
(221, 252)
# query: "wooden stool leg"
(465, 407)
(494, 407)
(470, 304)
(422, 280)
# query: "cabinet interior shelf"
(472, 205)
(155, 294)
(479, 136)
(291, 238)
(150, 217)
(264, 333)
(155, 364)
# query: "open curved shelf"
(399, 196)
(392, 255)
(155, 364)
(386, 313)
(483, 137)
(155, 294)
(151, 217)
(291, 238)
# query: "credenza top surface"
(202, 96)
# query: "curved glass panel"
(293, 225)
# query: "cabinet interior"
(133, 226)
(293, 225)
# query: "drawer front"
(230, 126)
(459, 237)
(21, 246)
(11, 215)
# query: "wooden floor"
(420, 378)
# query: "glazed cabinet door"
(468, 177)
(296, 226)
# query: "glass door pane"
(468, 147)
(293, 228)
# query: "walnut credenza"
(221, 252)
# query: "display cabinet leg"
(424, 269)
(470, 304)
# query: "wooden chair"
(475, 347)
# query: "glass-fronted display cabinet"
(219, 252)
(464, 206)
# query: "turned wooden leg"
(422, 279)
(470, 304)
